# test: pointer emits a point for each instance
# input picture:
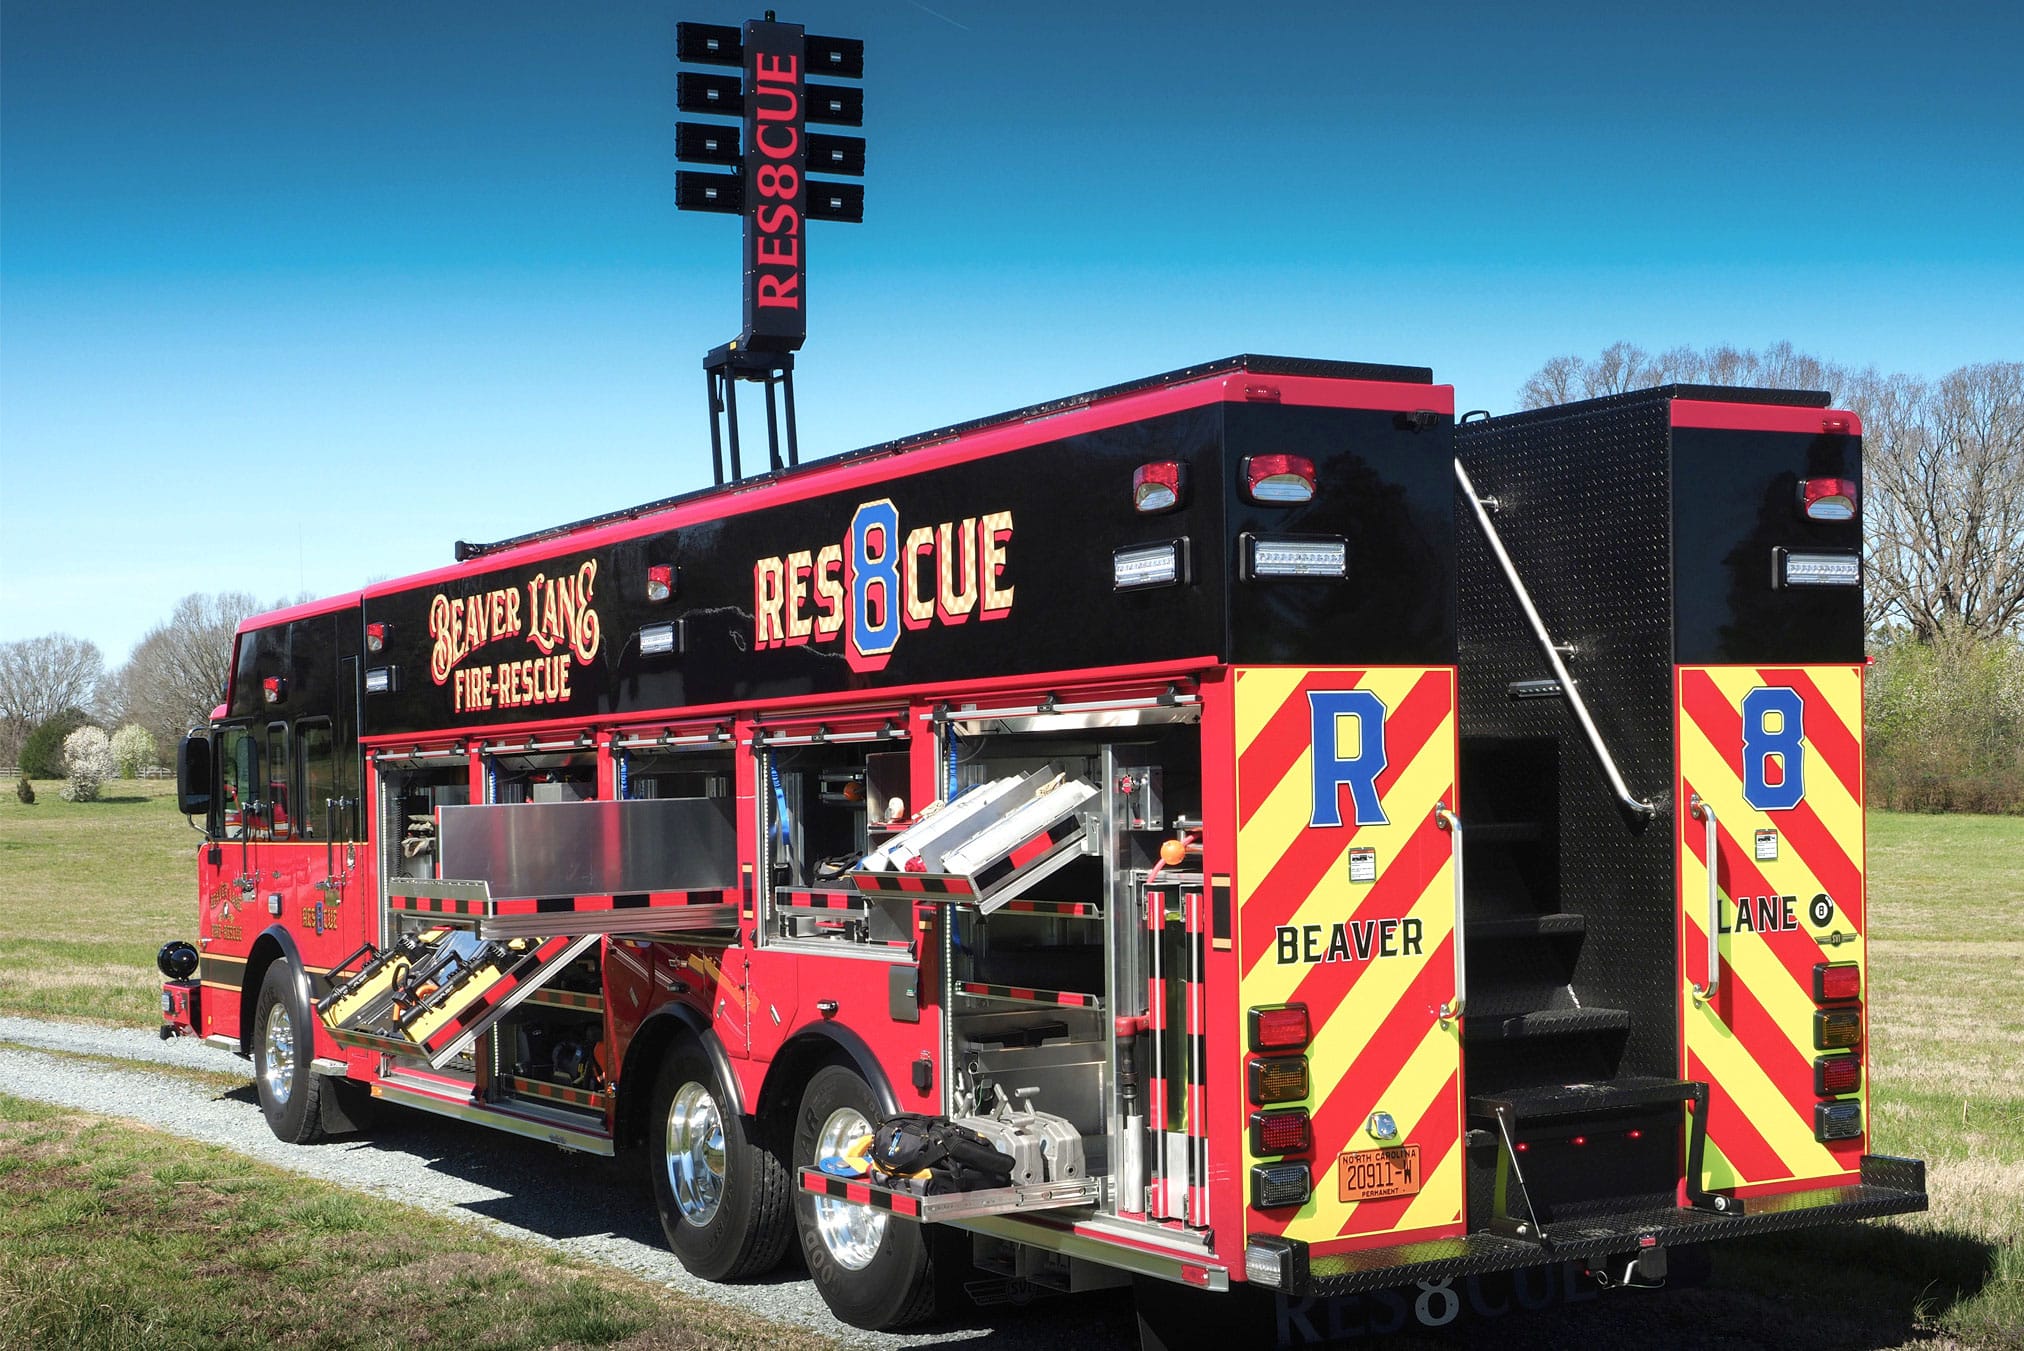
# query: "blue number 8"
(1774, 725)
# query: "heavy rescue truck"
(1201, 831)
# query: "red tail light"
(660, 581)
(375, 637)
(1835, 981)
(1158, 487)
(273, 689)
(1837, 1074)
(1827, 499)
(1281, 1027)
(1279, 480)
(1290, 1132)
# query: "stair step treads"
(1543, 1101)
(1544, 1023)
(1554, 925)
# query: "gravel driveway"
(595, 1209)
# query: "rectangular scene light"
(1145, 565)
(1295, 556)
(1797, 569)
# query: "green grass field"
(89, 891)
(117, 1237)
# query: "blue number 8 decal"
(1774, 751)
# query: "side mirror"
(193, 775)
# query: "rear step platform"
(1554, 1101)
(1544, 1023)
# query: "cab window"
(241, 783)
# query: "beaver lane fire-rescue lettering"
(554, 615)
(877, 583)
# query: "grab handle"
(1452, 823)
(1701, 811)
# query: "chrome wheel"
(278, 1045)
(852, 1233)
(695, 1153)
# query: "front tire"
(292, 1094)
(872, 1270)
(720, 1189)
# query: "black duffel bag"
(947, 1156)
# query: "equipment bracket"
(722, 369)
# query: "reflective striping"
(1754, 1043)
(1371, 957)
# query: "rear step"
(1555, 925)
(1628, 1125)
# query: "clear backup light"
(375, 637)
(1311, 557)
(1158, 487)
(1275, 1186)
(1278, 480)
(1797, 569)
(657, 640)
(1827, 499)
(660, 581)
(1837, 1120)
(1144, 565)
(1266, 1262)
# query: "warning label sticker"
(1767, 846)
(1363, 865)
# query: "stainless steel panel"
(540, 849)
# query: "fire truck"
(1236, 831)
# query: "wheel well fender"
(274, 944)
(649, 1042)
(807, 1051)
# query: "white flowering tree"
(87, 762)
(133, 747)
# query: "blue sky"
(292, 295)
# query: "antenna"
(773, 154)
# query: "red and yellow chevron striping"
(1777, 753)
(1345, 903)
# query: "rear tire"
(292, 1094)
(873, 1271)
(720, 1188)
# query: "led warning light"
(1145, 565)
(1836, 981)
(660, 581)
(1827, 499)
(274, 689)
(1278, 480)
(1835, 1029)
(1157, 487)
(375, 637)
(1280, 1027)
(1836, 1074)
(1287, 1132)
(1277, 1079)
(1277, 1185)
(1837, 1120)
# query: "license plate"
(1373, 1174)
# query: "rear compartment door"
(1776, 752)
(1345, 889)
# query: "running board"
(512, 1123)
(929, 1209)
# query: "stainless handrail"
(1641, 806)
(1701, 811)
(1452, 823)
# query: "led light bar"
(1295, 556)
(1837, 1120)
(1137, 566)
(1274, 1186)
(1803, 569)
(657, 640)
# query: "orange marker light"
(1172, 852)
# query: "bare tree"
(177, 673)
(1943, 469)
(41, 677)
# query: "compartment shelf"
(1083, 1191)
(1026, 994)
